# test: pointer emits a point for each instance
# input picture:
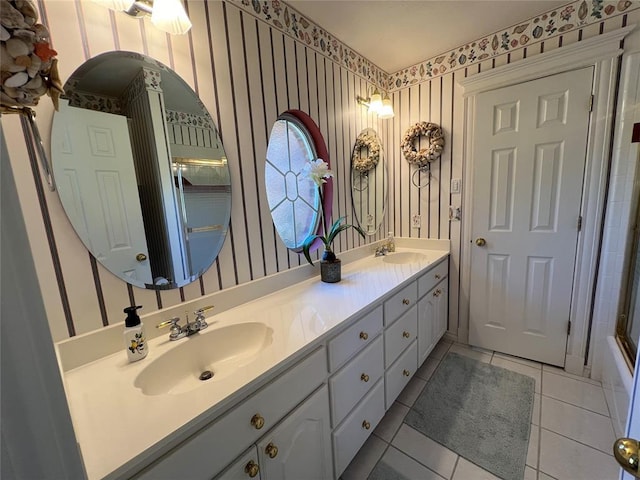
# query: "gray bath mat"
(480, 411)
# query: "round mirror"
(141, 171)
(369, 182)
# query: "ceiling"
(395, 34)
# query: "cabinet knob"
(257, 421)
(406, 334)
(366, 425)
(141, 257)
(251, 468)
(405, 301)
(406, 373)
(271, 450)
(437, 276)
(437, 293)
(364, 377)
(364, 335)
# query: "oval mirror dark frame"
(141, 171)
(369, 189)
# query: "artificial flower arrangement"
(318, 172)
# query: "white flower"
(317, 170)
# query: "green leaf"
(307, 245)
(359, 230)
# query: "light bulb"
(170, 16)
(375, 103)
(387, 109)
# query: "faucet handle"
(200, 311)
(175, 330)
(200, 320)
(172, 321)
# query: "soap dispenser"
(134, 336)
(391, 244)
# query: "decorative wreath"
(370, 142)
(428, 154)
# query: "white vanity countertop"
(116, 423)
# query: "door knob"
(141, 257)
(481, 242)
(626, 452)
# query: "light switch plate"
(455, 185)
(415, 221)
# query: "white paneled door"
(529, 152)
(101, 195)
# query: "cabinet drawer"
(352, 434)
(243, 468)
(354, 338)
(400, 373)
(400, 303)
(399, 335)
(429, 280)
(214, 447)
(350, 384)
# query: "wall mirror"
(141, 171)
(369, 181)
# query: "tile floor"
(571, 432)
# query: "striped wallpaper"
(246, 72)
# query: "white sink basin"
(220, 351)
(404, 257)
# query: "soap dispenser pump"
(134, 336)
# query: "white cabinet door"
(432, 319)
(442, 299)
(427, 312)
(300, 446)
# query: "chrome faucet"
(382, 250)
(176, 332)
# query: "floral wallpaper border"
(286, 19)
(188, 119)
(572, 16)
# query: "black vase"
(330, 267)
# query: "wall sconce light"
(166, 15)
(377, 104)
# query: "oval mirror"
(369, 182)
(141, 171)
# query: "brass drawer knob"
(257, 421)
(364, 335)
(364, 377)
(366, 425)
(405, 301)
(406, 373)
(271, 450)
(437, 276)
(251, 468)
(406, 334)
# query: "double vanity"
(289, 385)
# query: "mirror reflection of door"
(100, 192)
(369, 183)
(628, 327)
(177, 189)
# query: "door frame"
(603, 53)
